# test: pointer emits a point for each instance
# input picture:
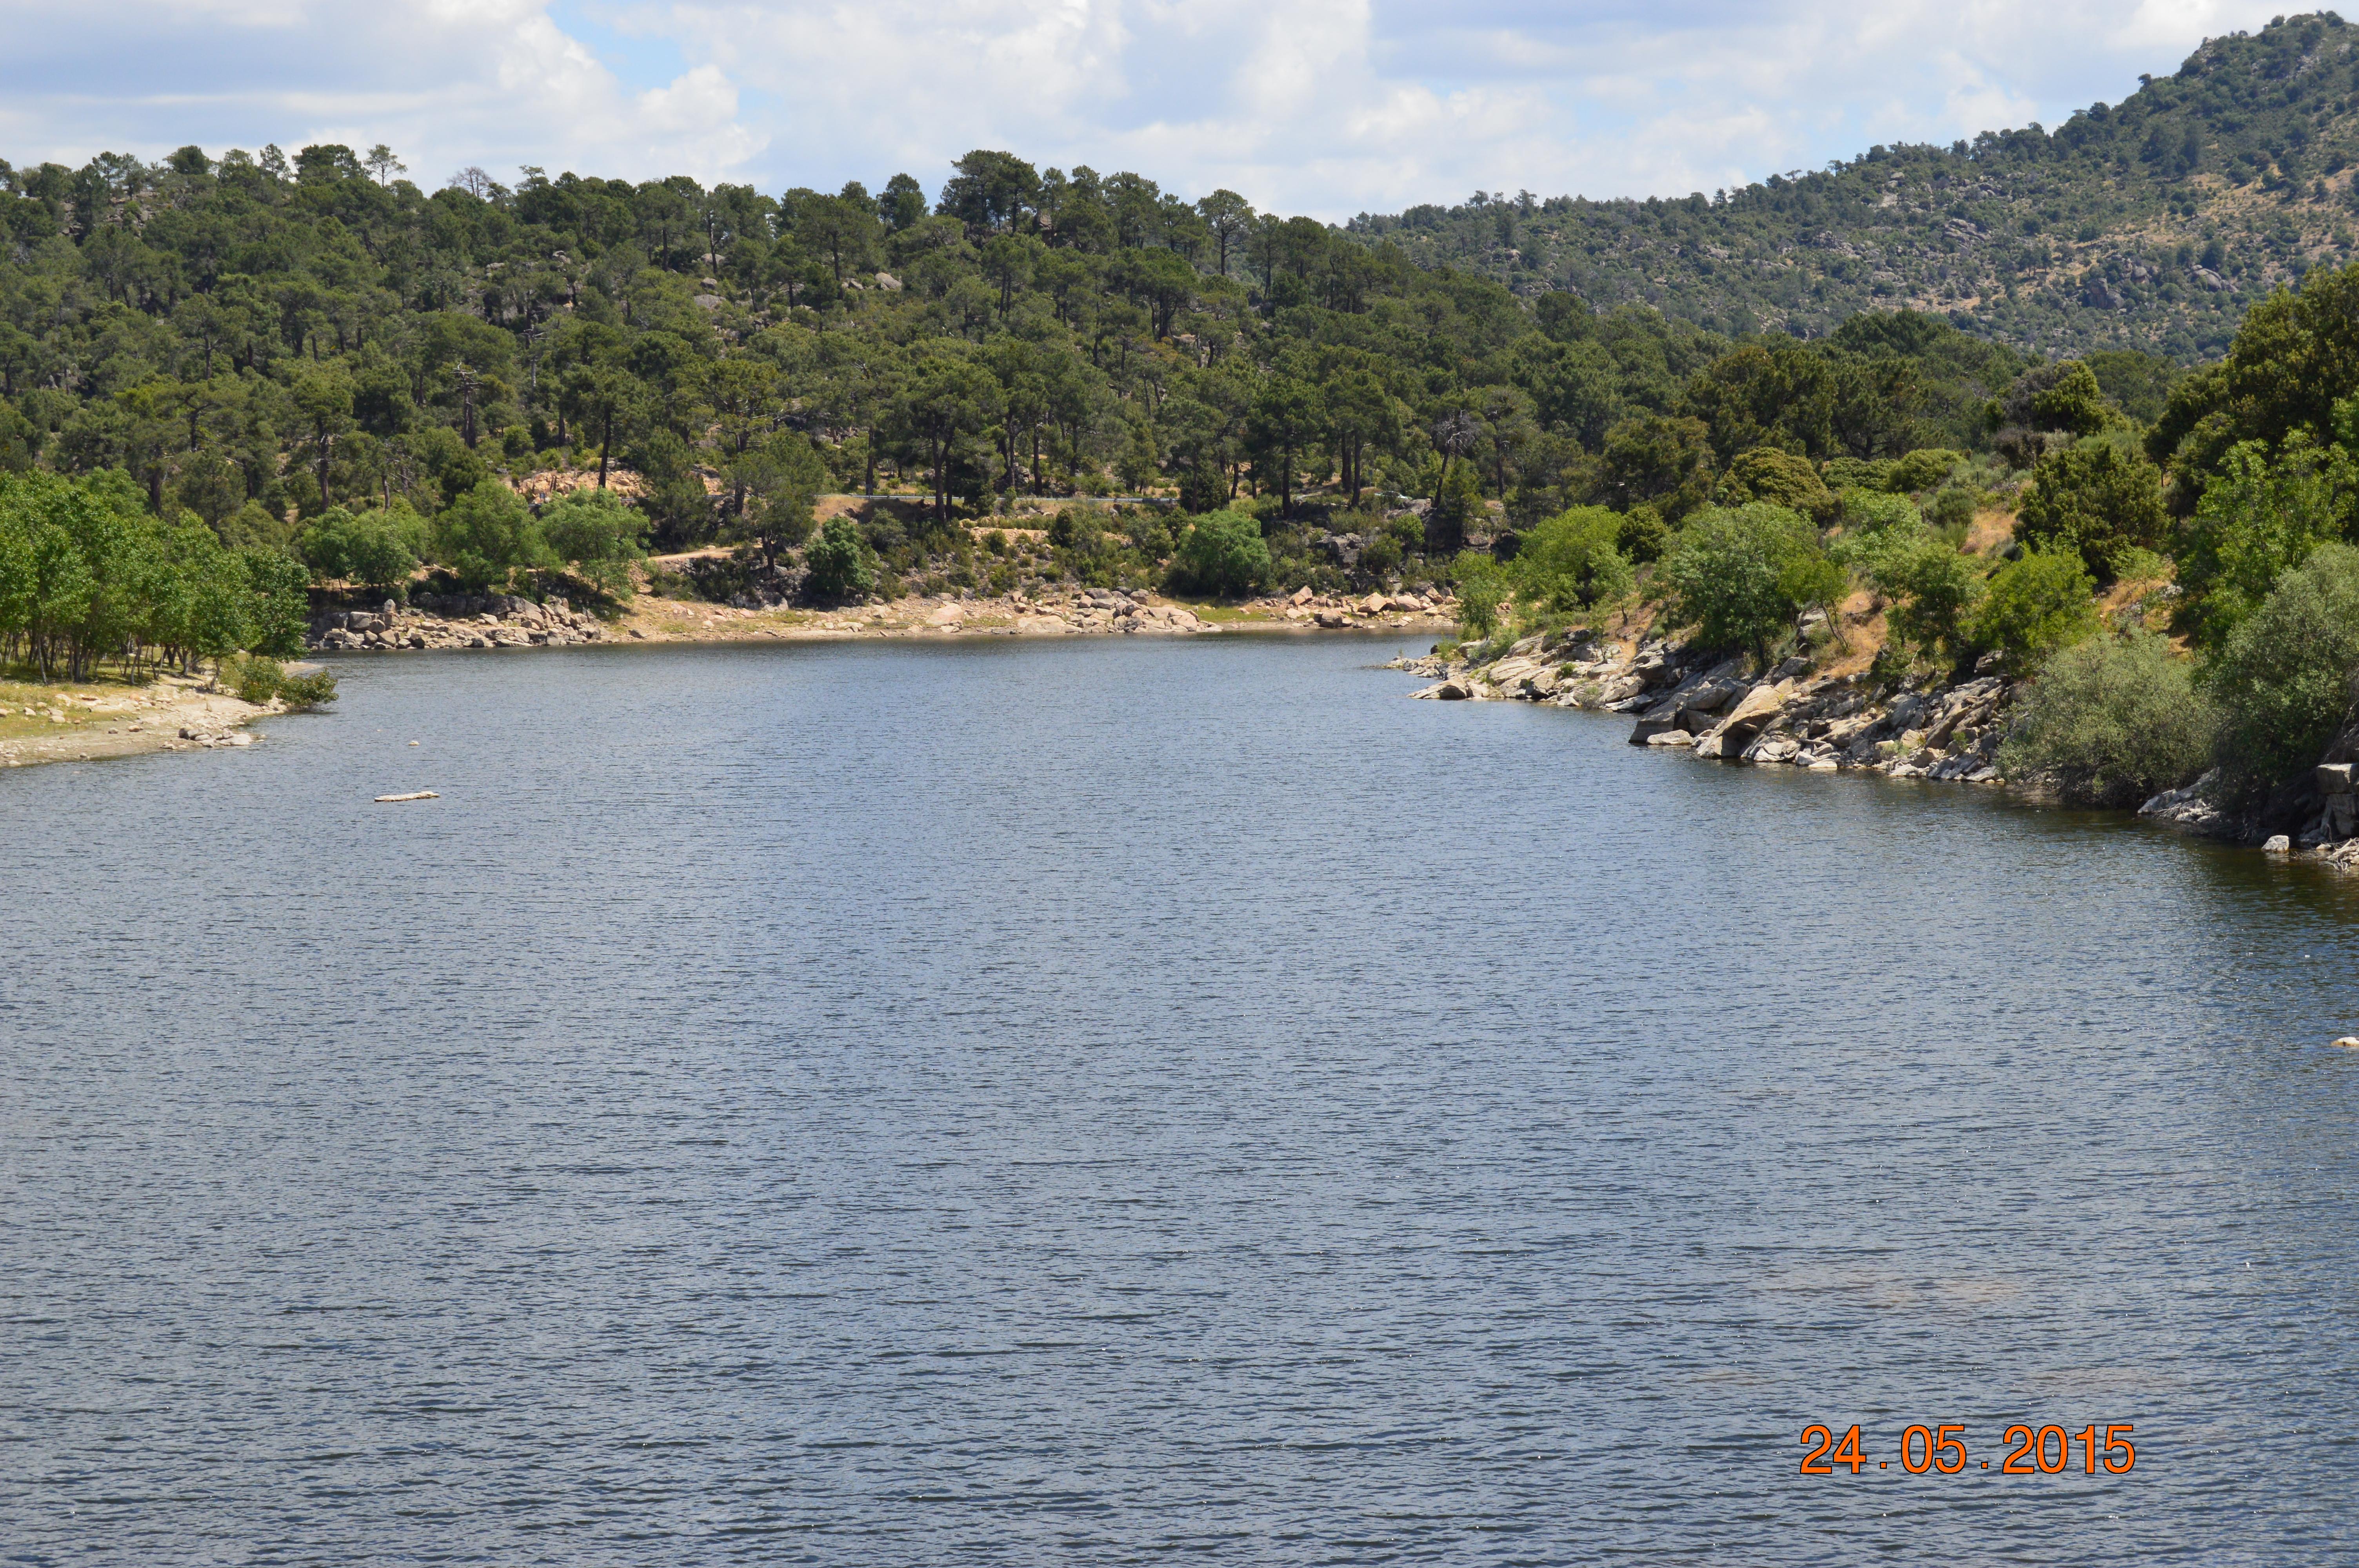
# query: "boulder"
(1751, 715)
(1664, 738)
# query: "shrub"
(838, 566)
(1222, 554)
(2036, 604)
(1573, 562)
(2281, 680)
(1644, 535)
(1932, 588)
(1724, 575)
(1951, 511)
(256, 679)
(1924, 469)
(2095, 499)
(1779, 478)
(1860, 473)
(2113, 722)
(1481, 584)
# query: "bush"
(1222, 554)
(2036, 604)
(2095, 499)
(1644, 535)
(2113, 722)
(1779, 478)
(838, 566)
(1860, 473)
(1952, 511)
(1573, 562)
(256, 680)
(1932, 588)
(1727, 573)
(1924, 469)
(1481, 584)
(2282, 680)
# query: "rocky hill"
(2148, 224)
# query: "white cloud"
(1324, 106)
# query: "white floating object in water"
(2349, 1041)
(415, 795)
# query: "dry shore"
(67, 721)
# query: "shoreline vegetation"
(254, 406)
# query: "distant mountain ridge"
(2152, 224)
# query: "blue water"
(1119, 1101)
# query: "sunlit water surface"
(1122, 1101)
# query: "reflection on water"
(1092, 1101)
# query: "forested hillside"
(2149, 224)
(258, 339)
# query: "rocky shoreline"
(507, 621)
(1708, 704)
(1917, 728)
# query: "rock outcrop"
(458, 621)
(1713, 708)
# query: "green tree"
(1934, 590)
(1482, 587)
(279, 607)
(1573, 561)
(2259, 517)
(376, 548)
(487, 535)
(1285, 419)
(2096, 499)
(1222, 554)
(782, 479)
(596, 533)
(2038, 603)
(2282, 679)
(839, 564)
(1727, 575)
(1652, 458)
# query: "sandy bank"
(68, 722)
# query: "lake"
(1113, 1101)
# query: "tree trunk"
(606, 439)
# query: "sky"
(1322, 107)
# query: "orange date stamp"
(2025, 1451)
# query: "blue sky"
(1328, 107)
